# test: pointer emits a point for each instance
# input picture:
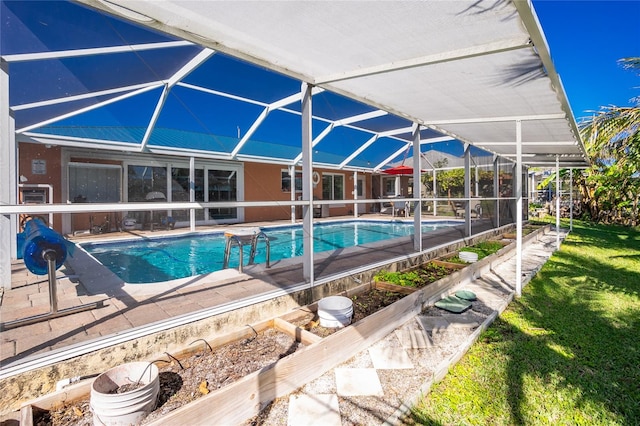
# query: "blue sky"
(586, 38)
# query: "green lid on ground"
(453, 304)
(466, 295)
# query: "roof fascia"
(532, 24)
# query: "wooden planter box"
(245, 398)
(451, 265)
(384, 285)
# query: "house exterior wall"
(261, 182)
(38, 164)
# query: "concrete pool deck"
(129, 307)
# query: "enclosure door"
(362, 208)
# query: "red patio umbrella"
(400, 170)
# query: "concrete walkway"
(378, 385)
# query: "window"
(180, 191)
(223, 186)
(145, 182)
(94, 183)
(286, 181)
(332, 187)
(389, 186)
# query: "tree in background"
(610, 188)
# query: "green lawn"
(566, 353)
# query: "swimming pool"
(167, 258)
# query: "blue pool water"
(167, 258)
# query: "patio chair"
(400, 206)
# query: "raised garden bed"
(301, 358)
(413, 279)
(203, 368)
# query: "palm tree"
(610, 188)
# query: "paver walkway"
(378, 385)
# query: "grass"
(566, 353)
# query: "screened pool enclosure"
(219, 113)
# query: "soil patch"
(184, 381)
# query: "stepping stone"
(321, 410)
(453, 304)
(462, 321)
(434, 324)
(390, 358)
(358, 382)
(414, 339)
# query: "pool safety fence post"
(45, 250)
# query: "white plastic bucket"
(115, 409)
(335, 311)
(468, 256)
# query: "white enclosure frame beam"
(8, 175)
(518, 194)
(89, 108)
(570, 199)
(61, 54)
(454, 55)
(417, 191)
(194, 63)
(192, 193)
(355, 194)
(496, 189)
(307, 184)
(467, 190)
(558, 192)
(292, 176)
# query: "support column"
(518, 194)
(417, 189)
(292, 177)
(435, 194)
(557, 203)
(8, 177)
(467, 190)
(570, 200)
(496, 189)
(476, 183)
(192, 193)
(355, 194)
(307, 184)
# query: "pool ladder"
(239, 239)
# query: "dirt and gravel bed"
(364, 304)
(184, 381)
(192, 377)
(397, 384)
